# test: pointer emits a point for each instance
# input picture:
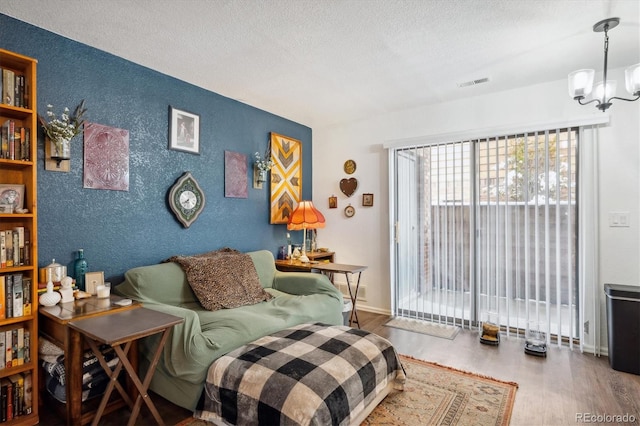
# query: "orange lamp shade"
(305, 216)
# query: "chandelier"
(581, 81)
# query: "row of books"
(15, 141)
(15, 247)
(16, 396)
(15, 346)
(15, 296)
(14, 89)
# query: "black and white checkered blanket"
(311, 374)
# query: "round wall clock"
(186, 199)
(349, 167)
(349, 211)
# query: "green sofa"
(207, 335)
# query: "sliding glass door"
(488, 225)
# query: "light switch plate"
(619, 219)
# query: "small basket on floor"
(489, 329)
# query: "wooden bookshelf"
(18, 168)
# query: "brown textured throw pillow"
(224, 278)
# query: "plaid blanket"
(311, 374)
(94, 378)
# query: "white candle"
(103, 291)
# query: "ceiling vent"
(473, 82)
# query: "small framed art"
(93, 280)
(333, 202)
(367, 200)
(11, 198)
(184, 131)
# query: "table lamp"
(305, 216)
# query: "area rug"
(424, 327)
(439, 395)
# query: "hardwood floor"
(552, 391)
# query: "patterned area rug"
(424, 327)
(438, 395)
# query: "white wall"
(364, 239)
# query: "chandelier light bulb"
(581, 83)
(603, 91)
(632, 79)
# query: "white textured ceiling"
(327, 62)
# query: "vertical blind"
(491, 228)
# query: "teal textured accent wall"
(119, 230)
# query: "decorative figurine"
(51, 297)
(66, 291)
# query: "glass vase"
(80, 269)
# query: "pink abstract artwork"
(106, 157)
(235, 175)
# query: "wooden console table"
(336, 268)
(120, 330)
(54, 325)
(316, 258)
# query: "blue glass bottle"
(80, 268)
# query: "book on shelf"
(16, 293)
(14, 347)
(18, 234)
(3, 313)
(20, 346)
(17, 135)
(6, 389)
(8, 133)
(8, 348)
(27, 247)
(3, 250)
(8, 296)
(8, 241)
(25, 143)
(16, 249)
(18, 99)
(3, 352)
(27, 346)
(8, 86)
(26, 296)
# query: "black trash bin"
(623, 327)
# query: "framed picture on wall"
(367, 200)
(286, 177)
(184, 131)
(333, 202)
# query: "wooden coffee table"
(120, 330)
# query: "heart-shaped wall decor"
(348, 186)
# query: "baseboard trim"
(373, 310)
